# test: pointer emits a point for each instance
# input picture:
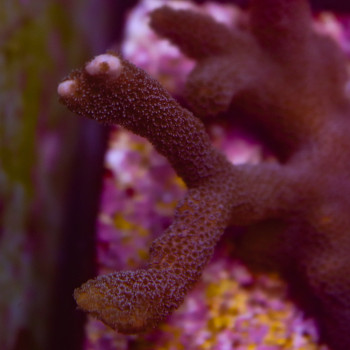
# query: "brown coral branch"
(112, 90)
(183, 28)
(252, 77)
(286, 78)
(140, 104)
(134, 301)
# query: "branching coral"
(291, 82)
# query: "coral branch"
(281, 26)
(134, 100)
(184, 28)
(288, 80)
(112, 90)
(253, 78)
(135, 301)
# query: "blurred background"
(51, 165)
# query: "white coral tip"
(66, 88)
(105, 64)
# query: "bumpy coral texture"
(288, 80)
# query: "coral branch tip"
(66, 88)
(104, 64)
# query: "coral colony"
(276, 73)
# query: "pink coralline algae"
(274, 72)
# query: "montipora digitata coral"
(290, 81)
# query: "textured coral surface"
(274, 72)
(229, 306)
